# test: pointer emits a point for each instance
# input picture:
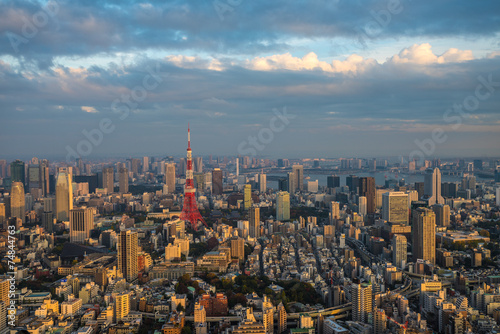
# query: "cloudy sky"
(357, 78)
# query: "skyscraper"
(170, 177)
(123, 180)
(64, 193)
(334, 211)
(127, 254)
(362, 206)
(217, 186)
(367, 189)
(247, 196)
(432, 187)
(399, 253)
(352, 182)
(108, 179)
(395, 207)
(424, 234)
(254, 222)
(81, 221)
(442, 213)
(282, 206)
(17, 172)
(17, 201)
(333, 181)
(298, 177)
(198, 165)
(262, 183)
(362, 305)
(291, 183)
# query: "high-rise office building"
(362, 302)
(262, 183)
(108, 179)
(419, 187)
(291, 184)
(64, 193)
(17, 201)
(424, 234)
(469, 183)
(395, 207)
(128, 254)
(442, 212)
(170, 177)
(283, 163)
(282, 206)
(45, 177)
(48, 221)
(334, 211)
(432, 187)
(478, 164)
(17, 172)
(145, 164)
(247, 196)
(399, 253)
(298, 177)
(198, 165)
(81, 222)
(367, 189)
(217, 185)
(352, 182)
(34, 177)
(333, 181)
(123, 180)
(362, 206)
(3, 168)
(254, 222)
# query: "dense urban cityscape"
(249, 167)
(248, 245)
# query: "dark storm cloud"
(252, 27)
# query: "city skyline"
(237, 166)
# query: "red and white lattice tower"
(190, 211)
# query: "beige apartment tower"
(424, 235)
(127, 254)
(108, 179)
(123, 180)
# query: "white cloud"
(353, 64)
(422, 54)
(91, 110)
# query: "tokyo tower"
(190, 211)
